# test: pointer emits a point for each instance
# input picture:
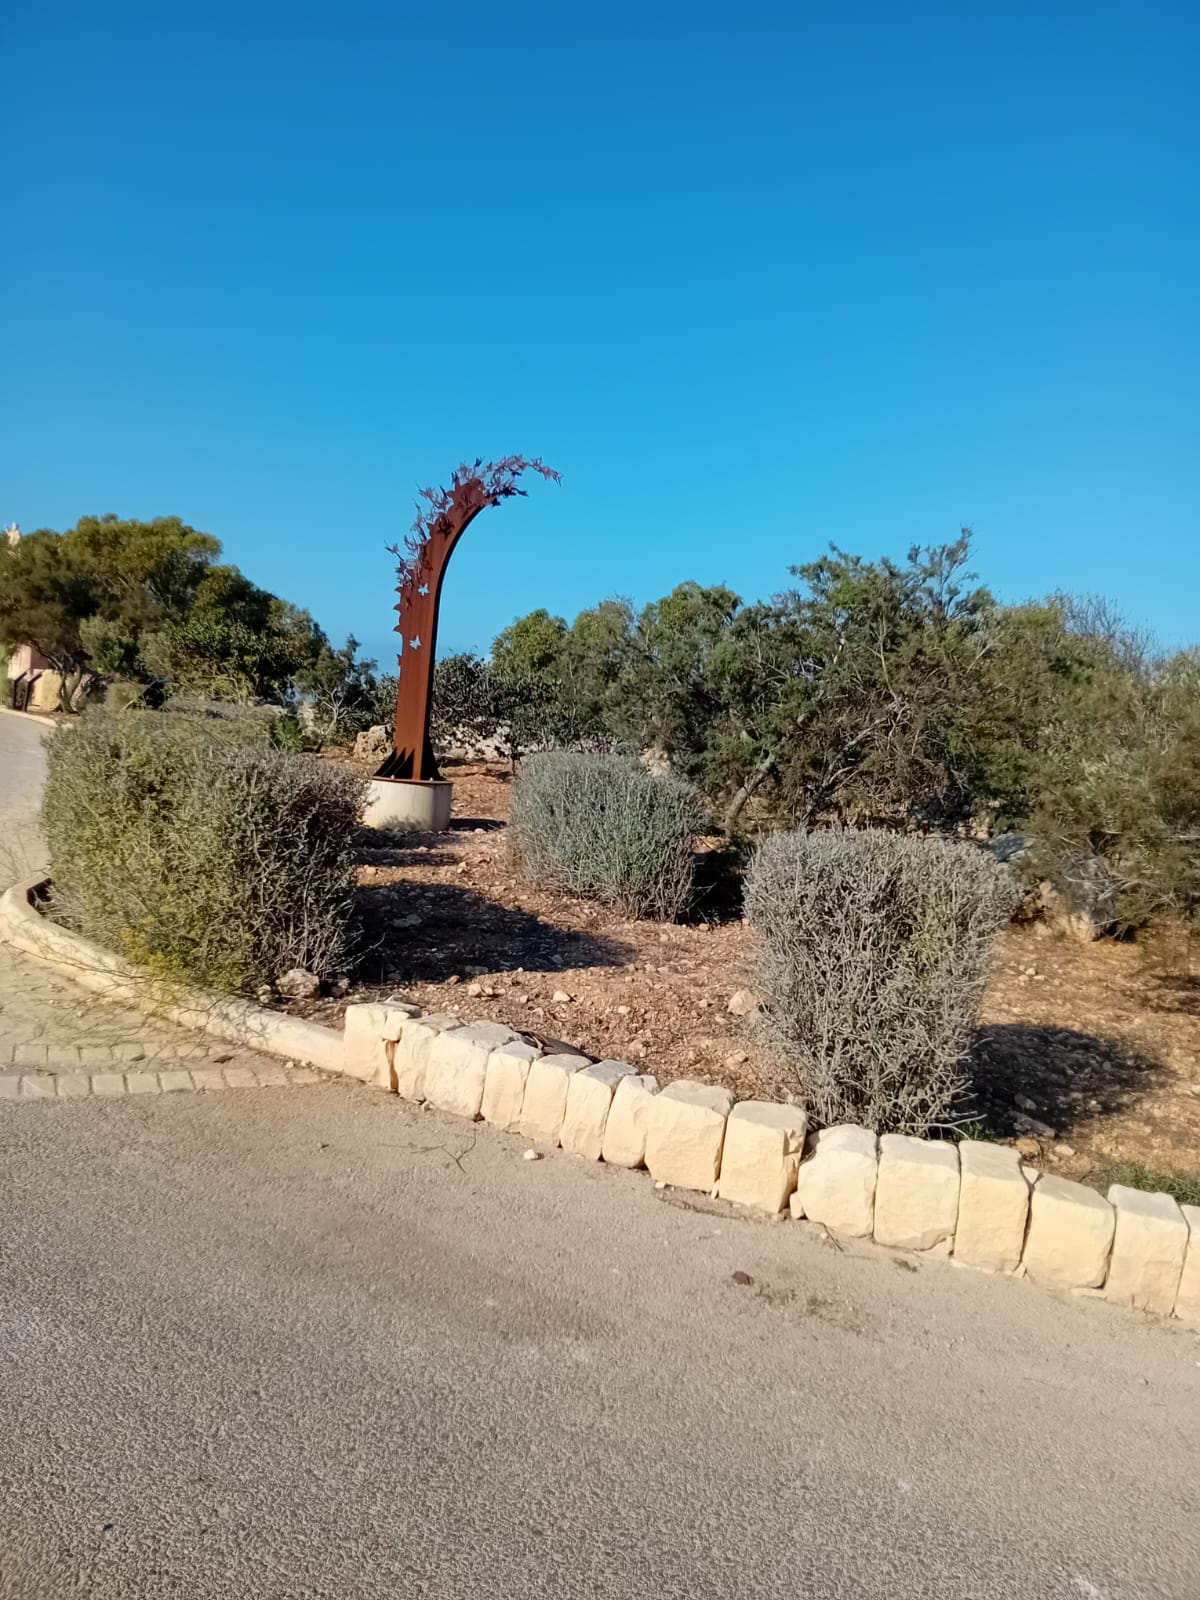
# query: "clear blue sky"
(753, 278)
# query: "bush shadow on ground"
(426, 933)
(1066, 1075)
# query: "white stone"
(835, 1185)
(457, 1066)
(1070, 1234)
(628, 1118)
(589, 1100)
(916, 1195)
(411, 1057)
(546, 1097)
(1150, 1242)
(1187, 1301)
(504, 1084)
(993, 1207)
(368, 1041)
(685, 1132)
(761, 1154)
(404, 805)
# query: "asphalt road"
(318, 1343)
(22, 770)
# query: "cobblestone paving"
(59, 1040)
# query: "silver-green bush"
(188, 844)
(602, 826)
(874, 952)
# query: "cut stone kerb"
(504, 1084)
(761, 1154)
(1187, 1300)
(835, 1184)
(1150, 1243)
(589, 1099)
(993, 1207)
(545, 1099)
(916, 1196)
(457, 1066)
(628, 1118)
(410, 1059)
(1070, 1235)
(371, 1033)
(685, 1132)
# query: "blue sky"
(752, 278)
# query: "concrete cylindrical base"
(402, 805)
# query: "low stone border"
(973, 1201)
(112, 1085)
(223, 1016)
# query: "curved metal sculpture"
(421, 567)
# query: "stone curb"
(236, 1021)
(29, 716)
(973, 1202)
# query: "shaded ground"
(1092, 1050)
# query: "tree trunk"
(747, 791)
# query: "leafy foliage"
(873, 956)
(187, 843)
(903, 695)
(601, 826)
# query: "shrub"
(602, 826)
(874, 953)
(189, 844)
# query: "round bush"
(188, 844)
(874, 952)
(603, 827)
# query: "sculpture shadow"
(427, 933)
(1067, 1075)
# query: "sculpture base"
(405, 805)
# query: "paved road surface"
(317, 1343)
(22, 769)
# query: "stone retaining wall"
(974, 1201)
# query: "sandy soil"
(1091, 1051)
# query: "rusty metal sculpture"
(421, 567)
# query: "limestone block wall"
(974, 1201)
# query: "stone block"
(835, 1185)
(10, 1086)
(143, 1083)
(628, 1118)
(369, 1041)
(685, 1133)
(457, 1066)
(545, 1100)
(34, 1088)
(235, 1077)
(1187, 1300)
(1070, 1235)
(204, 1077)
(411, 1057)
(176, 1078)
(504, 1084)
(916, 1194)
(589, 1099)
(108, 1083)
(993, 1207)
(761, 1154)
(74, 1085)
(1150, 1241)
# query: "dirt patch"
(1092, 1050)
